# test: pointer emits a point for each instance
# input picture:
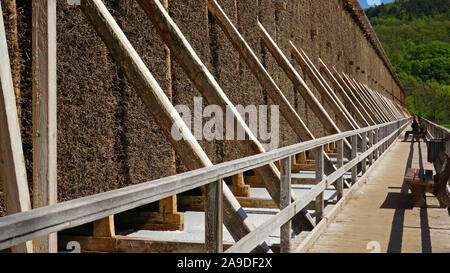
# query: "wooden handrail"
(252, 239)
(21, 227)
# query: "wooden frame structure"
(220, 205)
(18, 228)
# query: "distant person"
(415, 129)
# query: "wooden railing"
(436, 131)
(25, 226)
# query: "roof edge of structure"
(359, 16)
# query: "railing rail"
(25, 226)
(436, 131)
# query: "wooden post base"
(125, 244)
(240, 190)
(145, 220)
(238, 187)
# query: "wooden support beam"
(148, 220)
(302, 157)
(319, 176)
(12, 164)
(354, 154)
(160, 107)
(395, 107)
(44, 114)
(210, 89)
(377, 138)
(285, 191)
(104, 227)
(371, 136)
(371, 95)
(258, 70)
(296, 79)
(386, 104)
(359, 104)
(324, 89)
(303, 167)
(362, 99)
(197, 203)
(169, 204)
(384, 101)
(348, 101)
(293, 75)
(238, 187)
(213, 218)
(371, 100)
(388, 111)
(340, 164)
(363, 149)
(126, 244)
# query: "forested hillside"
(414, 34)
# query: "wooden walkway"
(379, 215)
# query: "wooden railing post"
(376, 134)
(318, 154)
(370, 146)
(285, 200)
(44, 114)
(214, 218)
(363, 149)
(354, 154)
(340, 163)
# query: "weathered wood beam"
(285, 192)
(340, 163)
(383, 100)
(363, 149)
(371, 100)
(18, 228)
(325, 91)
(261, 74)
(376, 99)
(238, 187)
(354, 155)
(168, 206)
(12, 163)
(44, 113)
(160, 107)
(363, 95)
(386, 102)
(319, 177)
(362, 99)
(214, 218)
(362, 108)
(362, 120)
(397, 109)
(104, 227)
(197, 203)
(126, 244)
(210, 89)
(293, 75)
(148, 220)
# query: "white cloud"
(373, 2)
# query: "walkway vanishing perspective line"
(379, 215)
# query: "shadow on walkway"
(400, 202)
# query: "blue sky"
(370, 3)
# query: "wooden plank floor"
(379, 215)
